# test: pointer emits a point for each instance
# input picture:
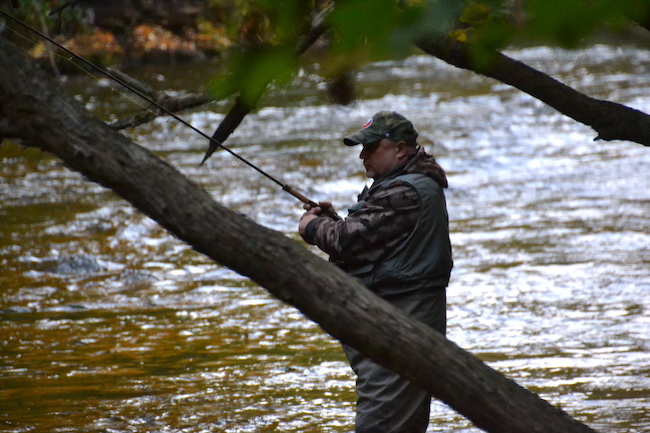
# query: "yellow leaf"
(475, 15)
(460, 35)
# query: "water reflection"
(110, 324)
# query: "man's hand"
(324, 207)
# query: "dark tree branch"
(173, 103)
(612, 121)
(143, 88)
(71, 3)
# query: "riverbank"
(142, 44)
(126, 32)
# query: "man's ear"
(402, 149)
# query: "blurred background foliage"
(363, 31)
(257, 39)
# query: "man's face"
(380, 157)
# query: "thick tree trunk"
(36, 111)
(610, 120)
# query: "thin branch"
(173, 103)
(71, 3)
(241, 109)
(50, 54)
(136, 84)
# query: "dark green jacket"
(424, 257)
(396, 238)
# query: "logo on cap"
(367, 124)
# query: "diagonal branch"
(170, 102)
(175, 104)
(612, 121)
(71, 3)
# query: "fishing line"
(285, 187)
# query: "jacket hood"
(423, 163)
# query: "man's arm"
(383, 222)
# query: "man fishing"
(396, 240)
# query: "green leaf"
(362, 27)
(565, 22)
(476, 15)
(251, 71)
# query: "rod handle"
(306, 200)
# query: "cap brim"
(350, 141)
(363, 137)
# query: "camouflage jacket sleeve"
(383, 221)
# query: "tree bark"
(37, 112)
(610, 120)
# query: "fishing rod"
(213, 142)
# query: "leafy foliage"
(360, 31)
(37, 14)
(370, 30)
(269, 31)
(265, 33)
(250, 71)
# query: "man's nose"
(363, 154)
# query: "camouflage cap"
(385, 124)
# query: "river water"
(109, 324)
